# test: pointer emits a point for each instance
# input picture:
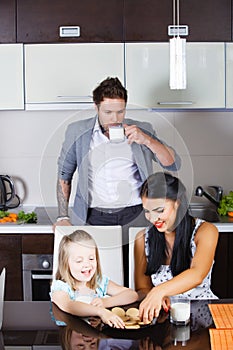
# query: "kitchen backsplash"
(30, 143)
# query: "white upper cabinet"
(229, 75)
(64, 75)
(147, 76)
(11, 73)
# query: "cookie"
(132, 312)
(135, 326)
(118, 311)
(125, 318)
(141, 323)
(130, 323)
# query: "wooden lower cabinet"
(37, 243)
(12, 246)
(222, 280)
(10, 258)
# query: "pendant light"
(177, 52)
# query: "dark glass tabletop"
(64, 331)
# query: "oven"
(37, 276)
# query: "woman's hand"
(97, 302)
(111, 319)
(151, 305)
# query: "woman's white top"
(202, 291)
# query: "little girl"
(79, 275)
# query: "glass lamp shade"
(177, 63)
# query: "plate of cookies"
(131, 317)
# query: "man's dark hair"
(109, 88)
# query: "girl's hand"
(97, 302)
(94, 321)
(111, 319)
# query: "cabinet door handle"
(87, 97)
(41, 277)
(175, 103)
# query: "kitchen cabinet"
(11, 73)
(66, 74)
(119, 20)
(12, 246)
(7, 21)
(99, 21)
(222, 280)
(229, 75)
(10, 253)
(147, 76)
(148, 20)
(37, 244)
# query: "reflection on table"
(71, 332)
(92, 334)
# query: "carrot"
(7, 219)
(13, 215)
(10, 217)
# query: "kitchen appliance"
(8, 198)
(37, 276)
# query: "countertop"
(41, 325)
(45, 219)
(47, 216)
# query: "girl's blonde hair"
(63, 271)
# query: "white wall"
(30, 143)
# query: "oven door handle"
(42, 277)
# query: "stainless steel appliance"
(37, 276)
(8, 198)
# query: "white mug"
(116, 132)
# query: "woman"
(175, 255)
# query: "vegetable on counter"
(6, 216)
(226, 204)
(20, 218)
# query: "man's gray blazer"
(74, 155)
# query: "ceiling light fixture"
(177, 50)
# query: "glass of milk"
(180, 310)
(85, 298)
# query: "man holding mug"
(113, 156)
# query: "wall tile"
(31, 140)
(213, 170)
(206, 133)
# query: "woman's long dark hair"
(164, 185)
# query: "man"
(110, 174)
